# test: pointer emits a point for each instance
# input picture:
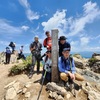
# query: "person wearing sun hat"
(63, 44)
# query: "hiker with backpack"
(8, 55)
(35, 49)
(12, 45)
(47, 41)
(67, 67)
(63, 44)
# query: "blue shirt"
(65, 66)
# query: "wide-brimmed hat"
(62, 38)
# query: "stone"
(55, 95)
(78, 63)
(54, 87)
(60, 98)
(28, 84)
(24, 90)
(68, 96)
(27, 94)
(9, 85)
(16, 86)
(50, 94)
(19, 91)
(11, 94)
(92, 95)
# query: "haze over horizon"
(78, 20)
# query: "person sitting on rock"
(67, 67)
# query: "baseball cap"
(66, 49)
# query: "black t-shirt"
(37, 46)
(62, 46)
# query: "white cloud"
(25, 28)
(73, 26)
(6, 43)
(30, 14)
(57, 21)
(84, 41)
(91, 12)
(7, 28)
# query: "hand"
(72, 76)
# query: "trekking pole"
(42, 85)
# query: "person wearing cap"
(47, 43)
(47, 62)
(8, 55)
(66, 67)
(35, 49)
(63, 44)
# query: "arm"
(44, 43)
(32, 47)
(73, 67)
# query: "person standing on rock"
(8, 55)
(63, 44)
(12, 45)
(35, 49)
(67, 67)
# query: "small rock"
(68, 96)
(27, 85)
(16, 86)
(10, 84)
(19, 91)
(55, 95)
(11, 94)
(50, 94)
(24, 90)
(60, 98)
(27, 94)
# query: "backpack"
(70, 59)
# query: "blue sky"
(78, 20)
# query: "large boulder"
(94, 63)
(80, 62)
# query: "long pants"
(8, 58)
(35, 58)
(65, 76)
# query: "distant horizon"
(78, 20)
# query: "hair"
(47, 32)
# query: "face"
(66, 54)
(48, 34)
(36, 39)
(62, 41)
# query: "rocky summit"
(20, 87)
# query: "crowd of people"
(66, 63)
